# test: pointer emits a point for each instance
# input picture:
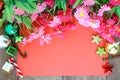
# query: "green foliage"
(101, 2)
(77, 3)
(115, 10)
(25, 20)
(28, 6)
(61, 4)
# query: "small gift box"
(8, 67)
(11, 51)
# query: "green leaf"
(77, 3)
(113, 10)
(63, 6)
(105, 1)
(26, 21)
(32, 4)
(97, 2)
(3, 18)
(118, 11)
(9, 13)
(101, 2)
(18, 18)
(41, 1)
(26, 5)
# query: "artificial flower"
(65, 17)
(94, 23)
(34, 16)
(71, 2)
(72, 25)
(41, 7)
(110, 22)
(115, 2)
(42, 19)
(18, 11)
(89, 2)
(81, 13)
(45, 39)
(103, 9)
(60, 31)
(115, 30)
(56, 21)
(49, 2)
(84, 22)
(108, 37)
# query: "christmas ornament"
(101, 51)
(11, 29)
(113, 48)
(11, 60)
(11, 51)
(4, 41)
(18, 39)
(96, 39)
(107, 67)
(7, 67)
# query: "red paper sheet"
(74, 55)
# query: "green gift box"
(11, 51)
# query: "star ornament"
(107, 67)
(96, 39)
(101, 51)
(18, 39)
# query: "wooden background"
(114, 76)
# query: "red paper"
(74, 55)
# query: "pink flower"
(45, 39)
(103, 9)
(60, 31)
(81, 13)
(110, 21)
(71, 2)
(24, 41)
(56, 21)
(59, 34)
(89, 2)
(38, 33)
(115, 30)
(34, 16)
(108, 37)
(18, 11)
(115, 2)
(41, 7)
(94, 23)
(84, 22)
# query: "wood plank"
(86, 78)
(41, 78)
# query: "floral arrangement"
(31, 19)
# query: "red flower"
(42, 19)
(49, 2)
(65, 17)
(59, 31)
(71, 2)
